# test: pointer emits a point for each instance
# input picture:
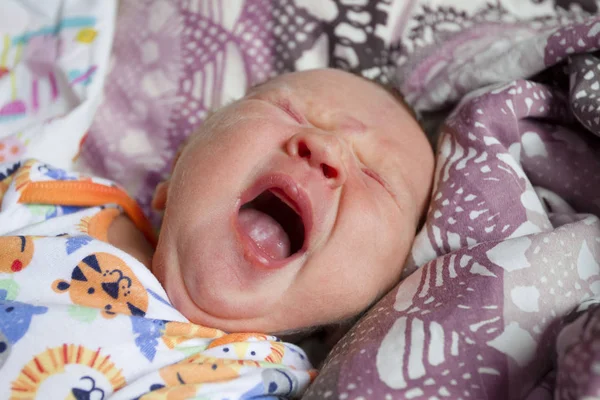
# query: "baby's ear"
(159, 200)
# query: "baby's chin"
(280, 321)
(197, 315)
(214, 308)
(210, 282)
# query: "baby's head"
(295, 206)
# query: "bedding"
(54, 56)
(501, 290)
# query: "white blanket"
(54, 56)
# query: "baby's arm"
(124, 235)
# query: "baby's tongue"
(265, 232)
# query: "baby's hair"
(395, 92)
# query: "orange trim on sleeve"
(87, 193)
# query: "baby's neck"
(124, 235)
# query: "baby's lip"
(287, 190)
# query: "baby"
(292, 208)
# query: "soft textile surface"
(451, 47)
(504, 305)
(53, 60)
(173, 61)
(80, 319)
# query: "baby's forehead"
(318, 81)
(274, 83)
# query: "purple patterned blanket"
(500, 299)
(510, 250)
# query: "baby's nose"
(323, 151)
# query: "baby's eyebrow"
(257, 85)
(214, 109)
(281, 87)
(396, 94)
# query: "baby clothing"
(81, 319)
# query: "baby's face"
(295, 206)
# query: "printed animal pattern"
(18, 179)
(16, 253)
(6, 176)
(274, 381)
(242, 346)
(4, 349)
(177, 333)
(149, 331)
(90, 374)
(105, 282)
(195, 371)
(15, 317)
(200, 370)
(80, 319)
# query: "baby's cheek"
(164, 269)
(381, 265)
(176, 293)
(352, 288)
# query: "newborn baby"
(295, 206)
(290, 209)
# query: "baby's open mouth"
(272, 221)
